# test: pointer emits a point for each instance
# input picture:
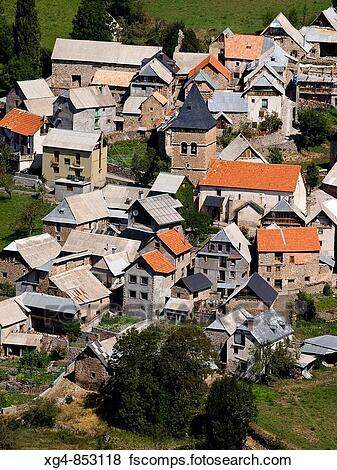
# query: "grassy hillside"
(240, 15)
(55, 17)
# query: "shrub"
(72, 329)
(275, 155)
(305, 306)
(59, 352)
(7, 290)
(7, 436)
(42, 413)
(314, 127)
(34, 360)
(271, 123)
(327, 290)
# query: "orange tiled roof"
(22, 122)
(175, 241)
(288, 239)
(158, 262)
(243, 46)
(260, 176)
(215, 63)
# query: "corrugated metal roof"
(33, 89)
(122, 197)
(237, 147)
(162, 208)
(158, 69)
(23, 339)
(91, 97)
(118, 262)
(179, 305)
(230, 322)
(80, 285)
(101, 52)
(132, 104)
(72, 140)
(227, 102)
(49, 302)
(87, 207)
(269, 327)
(167, 183)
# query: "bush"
(314, 127)
(305, 306)
(34, 360)
(271, 123)
(226, 137)
(7, 436)
(59, 352)
(246, 129)
(42, 413)
(275, 155)
(72, 329)
(312, 175)
(6, 290)
(327, 290)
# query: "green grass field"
(244, 16)
(122, 152)
(301, 412)
(55, 18)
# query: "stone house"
(21, 256)
(324, 218)
(206, 85)
(238, 183)
(229, 109)
(153, 77)
(289, 258)
(215, 70)
(241, 149)
(154, 214)
(185, 62)
(217, 44)
(175, 247)
(117, 81)
(267, 328)
(242, 49)
(73, 155)
(190, 138)
(74, 62)
(27, 90)
(148, 283)
(287, 36)
(81, 286)
(85, 109)
(24, 133)
(188, 294)
(91, 364)
(225, 260)
(284, 213)
(14, 318)
(255, 295)
(318, 82)
(152, 111)
(265, 94)
(83, 212)
(329, 183)
(132, 113)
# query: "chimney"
(239, 246)
(141, 194)
(250, 323)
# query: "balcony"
(76, 178)
(76, 166)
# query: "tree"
(7, 436)
(5, 158)
(305, 306)
(271, 123)
(157, 379)
(27, 36)
(275, 155)
(327, 290)
(293, 17)
(230, 408)
(72, 329)
(41, 413)
(7, 182)
(129, 10)
(168, 38)
(30, 216)
(91, 21)
(334, 3)
(270, 363)
(146, 167)
(314, 127)
(312, 175)
(34, 360)
(6, 37)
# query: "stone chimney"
(180, 41)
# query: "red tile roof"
(22, 122)
(158, 262)
(288, 239)
(211, 60)
(175, 241)
(260, 176)
(243, 46)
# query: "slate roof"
(80, 285)
(196, 282)
(36, 250)
(281, 21)
(22, 122)
(268, 327)
(260, 287)
(229, 323)
(156, 68)
(320, 345)
(266, 80)
(162, 208)
(91, 97)
(11, 312)
(287, 239)
(33, 89)
(227, 102)
(167, 183)
(194, 113)
(49, 302)
(251, 175)
(101, 52)
(284, 206)
(201, 77)
(72, 140)
(121, 197)
(213, 201)
(237, 147)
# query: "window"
(178, 295)
(212, 247)
(236, 350)
(133, 294)
(144, 281)
(237, 64)
(119, 126)
(220, 246)
(56, 169)
(56, 156)
(278, 257)
(239, 339)
(93, 375)
(67, 161)
(187, 165)
(278, 269)
(268, 269)
(205, 271)
(96, 123)
(157, 244)
(194, 148)
(77, 159)
(232, 275)
(307, 278)
(183, 148)
(278, 283)
(76, 80)
(58, 228)
(70, 188)
(236, 75)
(132, 279)
(264, 103)
(144, 295)
(292, 259)
(239, 196)
(195, 295)
(205, 258)
(291, 281)
(218, 192)
(4, 274)
(253, 100)
(320, 230)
